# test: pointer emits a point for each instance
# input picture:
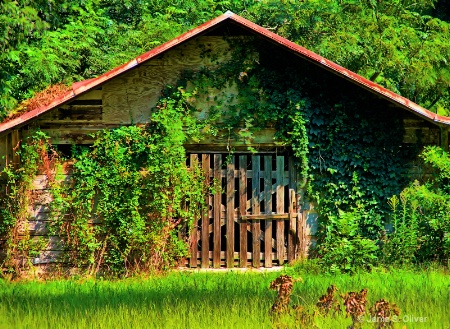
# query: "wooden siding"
(130, 99)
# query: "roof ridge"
(84, 86)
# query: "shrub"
(421, 216)
(343, 249)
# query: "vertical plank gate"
(253, 218)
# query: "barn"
(262, 216)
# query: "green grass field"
(213, 300)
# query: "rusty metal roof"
(82, 87)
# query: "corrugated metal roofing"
(81, 87)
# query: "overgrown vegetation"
(128, 204)
(421, 216)
(132, 193)
(36, 156)
(403, 45)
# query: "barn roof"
(82, 87)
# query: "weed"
(328, 302)
(385, 313)
(355, 306)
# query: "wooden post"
(280, 209)
(194, 232)
(205, 215)
(268, 210)
(15, 144)
(230, 214)
(243, 210)
(292, 237)
(301, 224)
(217, 210)
(256, 226)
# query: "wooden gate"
(254, 220)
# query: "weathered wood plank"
(217, 205)
(73, 114)
(35, 227)
(292, 236)
(281, 217)
(205, 215)
(263, 137)
(194, 232)
(268, 210)
(301, 225)
(40, 182)
(280, 209)
(3, 151)
(243, 210)
(424, 135)
(230, 213)
(15, 141)
(256, 226)
(91, 95)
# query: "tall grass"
(211, 300)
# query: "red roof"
(81, 87)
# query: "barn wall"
(130, 98)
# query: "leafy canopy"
(398, 44)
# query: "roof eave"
(82, 87)
(345, 73)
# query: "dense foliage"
(403, 45)
(128, 205)
(134, 180)
(421, 216)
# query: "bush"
(421, 217)
(343, 249)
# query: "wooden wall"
(130, 98)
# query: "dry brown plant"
(328, 302)
(355, 306)
(384, 313)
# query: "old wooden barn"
(262, 218)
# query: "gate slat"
(194, 233)
(301, 223)
(243, 210)
(280, 209)
(217, 210)
(256, 227)
(293, 240)
(205, 215)
(230, 214)
(268, 210)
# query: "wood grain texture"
(256, 226)
(130, 97)
(83, 114)
(280, 209)
(268, 210)
(243, 210)
(194, 232)
(205, 215)
(217, 205)
(293, 227)
(230, 213)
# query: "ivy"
(132, 198)
(132, 192)
(348, 147)
(36, 156)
